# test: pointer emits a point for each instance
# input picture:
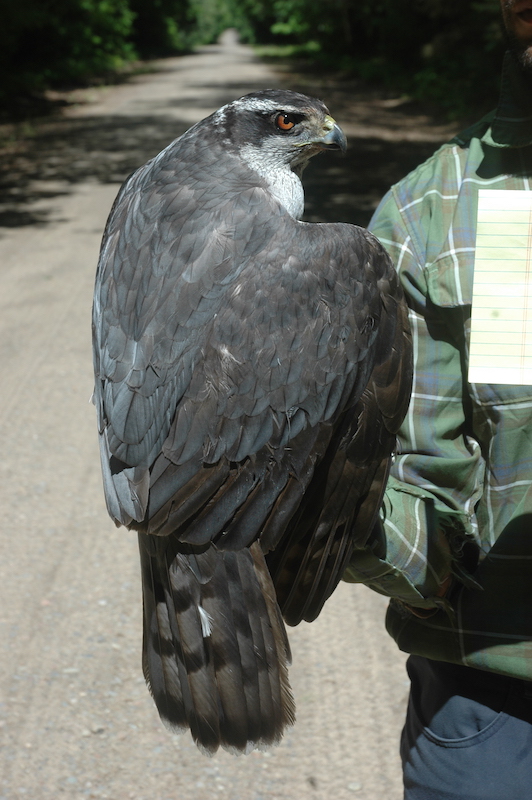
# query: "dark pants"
(468, 734)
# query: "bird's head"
(276, 132)
(285, 128)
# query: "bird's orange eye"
(285, 122)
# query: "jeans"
(468, 734)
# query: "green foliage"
(43, 42)
(252, 18)
(56, 42)
(210, 18)
(460, 61)
(160, 26)
(446, 51)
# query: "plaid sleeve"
(437, 473)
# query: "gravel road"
(76, 719)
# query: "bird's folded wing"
(227, 344)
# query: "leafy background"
(445, 52)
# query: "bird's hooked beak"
(333, 137)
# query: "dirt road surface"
(76, 719)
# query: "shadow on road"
(66, 150)
(348, 189)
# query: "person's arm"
(427, 516)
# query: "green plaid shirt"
(459, 499)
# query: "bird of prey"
(251, 373)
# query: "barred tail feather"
(215, 653)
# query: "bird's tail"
(215, 652)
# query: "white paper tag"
(501, 319)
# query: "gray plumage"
(251, 373)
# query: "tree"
(45, 41)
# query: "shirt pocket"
(450, 286)
(500, 394)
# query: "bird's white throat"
(282, 182)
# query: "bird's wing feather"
(215, 340)
(340, 507)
